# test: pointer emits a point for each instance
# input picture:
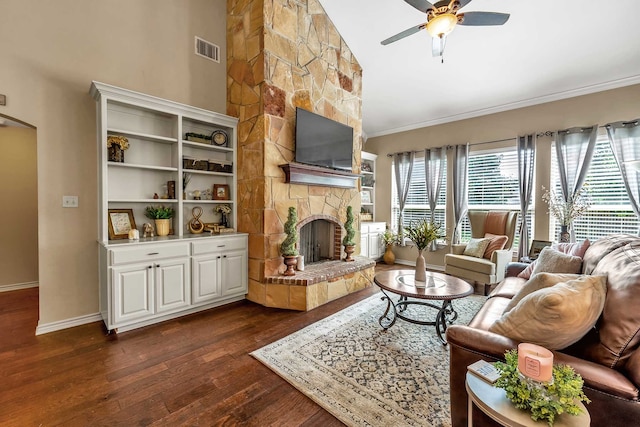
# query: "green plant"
(288, 246)
(348, 227)
(389, 238)
(545, 401)
(159, 212)
(423, 232)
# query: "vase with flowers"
(223, 210)
(162, 216)
(116, 146)
(389, 239)
(567, 211)
(422, 233)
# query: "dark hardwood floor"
(195, 370)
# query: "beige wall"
(19, 219)
(599, 108)
(51, 51)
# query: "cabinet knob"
(158, 265)
(221, 246)
(224, 256)
(151, 266)
(153, 253)
(218, 256)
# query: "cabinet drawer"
(220, 244)
(377, 227)
(144, 253)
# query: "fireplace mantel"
(299, 173)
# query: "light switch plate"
(3, 99)
(69, 201)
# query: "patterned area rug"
(366, 376)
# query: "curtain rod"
(538, 135)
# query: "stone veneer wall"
(283, 54)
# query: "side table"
(493, 402)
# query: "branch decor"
(567, 211)
(545, 401)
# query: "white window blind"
(417, 205)
(493, 185)
(610, 211)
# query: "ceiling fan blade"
(482, 18)
(437, 45)
(421, 5)
(463, 3)
(403, 34)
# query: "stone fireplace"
(283, 54)
(320, 238)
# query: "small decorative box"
(220, 166)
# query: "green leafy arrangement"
(288, 246)
(423, 232)
(348, 226)
(159, 212)
(544, 401)
(389, 238)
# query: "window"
(417, 205)
(493, 185)
(610, 211)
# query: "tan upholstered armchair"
(480, 269)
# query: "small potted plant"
(422, 233)
(162, 216)
(389, 239)
(288, 246)
(348, 240)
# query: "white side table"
(493, 402)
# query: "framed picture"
(536, 248)
(121, 221)
(365, 196)
(221, 192)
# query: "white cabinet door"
(132, 292)
(374, 245)
(206, 277)
(364, 244)
(172, 283)
(234, 273)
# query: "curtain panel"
(526, 160)
(459, 169)
(433, 171)
(403, 167)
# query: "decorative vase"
(163, 226)
(223, 219)
(565, 237)
(389, 257)
(290, 261)
(421, 268)
(115, 153)
(349, 249)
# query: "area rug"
(366, 376)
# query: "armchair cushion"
(557, 316)
(496, 243)
(476, 247)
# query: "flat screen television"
(323, 142)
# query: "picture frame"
(121, 221)
(536, 248)
(365, 196)
(221, 192)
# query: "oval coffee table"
(438, 286)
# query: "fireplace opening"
(320, 241)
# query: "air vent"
(207, 50)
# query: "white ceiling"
(548, 50)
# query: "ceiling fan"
(442, 18)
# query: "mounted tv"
(323, 142)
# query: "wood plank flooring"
(193, 371)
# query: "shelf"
(147, 167)
(142, 201)
(201, 172)
(203, 146)
(299, 173)
(366, 173)
(139, 135)
(366, 204)
(208, 202)
(364, 187)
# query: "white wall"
(50, 53)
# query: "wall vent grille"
(207, 50)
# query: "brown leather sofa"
(607, 357)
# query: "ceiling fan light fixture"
(442, 24)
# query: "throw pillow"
(575, 249)
(553, 261)
(537, 282)
(529, 271)
(496, 243)
(557, 316)
(476, 247)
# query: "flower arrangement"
(567, 211)
(545, 401)
(119, 141)
(159, 212)
(389, 238)
(225, 209)
(423, 232)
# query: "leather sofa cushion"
(480, 265)
(619, 326)
(490, 312)
(508, 287)
(601, 248)
(557, 316)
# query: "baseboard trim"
(45, 328)
(413, 264)
(18, 286)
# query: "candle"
(535, 362)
